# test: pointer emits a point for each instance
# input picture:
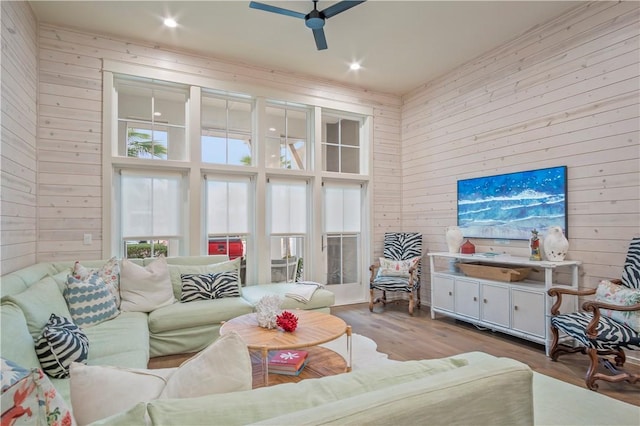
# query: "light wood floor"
(405, 337)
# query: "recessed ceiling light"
(272, 129)
(170, 22)
(354, 66)
(157, 113)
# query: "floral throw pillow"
(616, 294)
(29, 398)
(109, 272)
(396, 268)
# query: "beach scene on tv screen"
(509, 206)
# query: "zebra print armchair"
(399, 269)
(606, 326)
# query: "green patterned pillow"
(90, 301)
(616, 294)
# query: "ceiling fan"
(314, 19)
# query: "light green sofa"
(31, 294)
(468, 389)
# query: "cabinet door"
(528, 312)
(466, 298)
(442, 292)
(495, 304)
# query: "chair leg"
(371, 302)
(620, 358)
(555, 338)
(591, 378)
(411, 303)
(418, 294)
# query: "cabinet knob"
(475, 299)
(515, 308)
(484, 300)
(450, 294)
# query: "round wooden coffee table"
(314, 328)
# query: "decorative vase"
(555, 244)
(454, 238)
(267, 310)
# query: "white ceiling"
(400, 44)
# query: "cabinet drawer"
(495, 304)
(442, 292)
(528, 312)
(466, 300)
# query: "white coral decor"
(267, 309)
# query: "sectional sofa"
(492, 390)
(32, 294)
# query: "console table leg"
(349, 348)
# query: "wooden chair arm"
(595, 306)
(559, 291)
(373, 268)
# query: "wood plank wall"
(69, 134)
(18, 136)
(564, 93)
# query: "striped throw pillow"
(209, 286)
(90, 302)
(61, 343)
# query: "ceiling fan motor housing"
(314, 20)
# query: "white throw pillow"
(224, 366)
(144, 289)
(397, 268)
(102, 391)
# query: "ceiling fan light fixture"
(170, 22)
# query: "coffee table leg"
(349, 347)
(265, 365)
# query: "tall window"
(226, 130)
(228, 218)
(288, 228)
(286, 141)
(340, 144)
(151, 119)
(343, 230)
(151, 213)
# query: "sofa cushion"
(89, 300)
(224, 366)
(29, 398)
(496, 393)
(200, 312)
(61, 343)
(263, 403)
(34, 273)
(209, 286)
(123, 387)
(322, 298)
(12, 284)
(15, 340)
(177, 270)
(107, 337)
(143, 289)
(109, 272)
(38, 302)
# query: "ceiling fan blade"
(321, 41)
(339, 7)
(279, 10)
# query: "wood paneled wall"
(564, 93)
(18, 137)
(69, 135)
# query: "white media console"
(519, 308)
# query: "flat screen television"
(509, 206)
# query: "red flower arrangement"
(287, 321)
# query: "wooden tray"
(506, 273)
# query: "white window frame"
(193, 168)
